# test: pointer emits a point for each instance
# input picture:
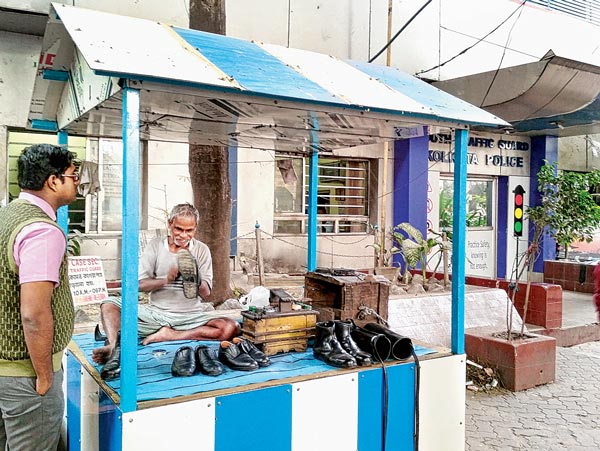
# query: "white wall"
(18, 59)
(168, 180)
(357, 29)
(176, 13)
(579, 153)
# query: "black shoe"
(328, 349)
(189, 273)
(402, 347)
(99, 336)
(232, 356)
(343, 329)
(378, 345)
(112, 367)
(206, 361)
(250, 348)
(184, 362)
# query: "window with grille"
(342, 195)
(588, 10)
(17, 141)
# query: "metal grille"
(588, 10)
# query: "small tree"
(567, 213)
(568, 208)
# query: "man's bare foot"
(101, 355)
(165, 333)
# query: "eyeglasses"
(74, 176)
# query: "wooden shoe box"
(276, 332)
(341, 297)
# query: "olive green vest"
(14, 357)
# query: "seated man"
(177, 272)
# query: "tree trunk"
(208, 15)
(209, 172)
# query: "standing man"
(36, 308)
(177, 272)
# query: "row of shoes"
(188, 361)
(239, 354)
(343, 344)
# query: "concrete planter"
(389, 272)
(521, 363)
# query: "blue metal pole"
(313, 178)
(129, 248)
(62, 214)
(459, 232)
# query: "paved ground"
(564, 415)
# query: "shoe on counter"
(328, 349)
(184, 362)
(206, 361)
(99, 336)
(189, 273)
(112, 368)
(250, 348)
(232, 355)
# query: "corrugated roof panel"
(127, 45)
(253, 68)
(439, 102)
(346, 82)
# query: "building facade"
(360, 189)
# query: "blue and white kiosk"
(189, 86)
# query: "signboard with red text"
(86, 279)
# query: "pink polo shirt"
(39, 247)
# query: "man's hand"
(172, 274)
(42, 385)
(151, 284)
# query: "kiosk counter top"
(155, 382)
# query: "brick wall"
(571, 276)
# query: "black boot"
(378, 345)
(342, 333)
(328, 349)
(112, 367)
(402, 347)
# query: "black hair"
(38, 162)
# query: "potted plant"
(416, 250)
(384, 257)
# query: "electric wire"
(489, 88)
(417, 390)
(462, 52)
(414, 16)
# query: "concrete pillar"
(542, 148)
(410, 183)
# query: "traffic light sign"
(518, 214)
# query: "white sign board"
(487, 154)
(86, 279)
